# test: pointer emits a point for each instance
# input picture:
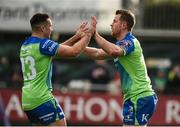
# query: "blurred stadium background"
(89, 90)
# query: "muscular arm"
(76, 49)
(95, 53)
(110, 48)
(71, 40)
(80, 32)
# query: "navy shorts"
(138, 111)
(46, 113)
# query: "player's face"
(116, 26)
(48, 28)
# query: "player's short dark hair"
(37, 19)
(127, 16)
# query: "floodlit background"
(89, 91)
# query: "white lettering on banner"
(103, 109)
(78, 107)
(173, 110)
(114, 107)
(84, 108)
(15, 14)
(14, 105)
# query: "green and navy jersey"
(131, 66)
(36, 60)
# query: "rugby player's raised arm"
(76, 49)
(80, 32)
(110, 48)
(95, 53)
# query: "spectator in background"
(16, 78)
(5, 71)
(173, 86)
(99, 76)
(160, 80)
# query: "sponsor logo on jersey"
(126, 44)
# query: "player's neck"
(122, 35)
(37, 34)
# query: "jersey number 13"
(28, 68)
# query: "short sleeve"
(127, 46)
(48, 47)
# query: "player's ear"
(125, 24)
(43, 28)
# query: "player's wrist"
(95, 35)
(78, 35)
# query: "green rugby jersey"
(131, 66)
(36, 61)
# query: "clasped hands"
(87, 28)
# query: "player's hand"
(82, 29)
(93, 25)
(93, 22)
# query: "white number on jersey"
(30, 63)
